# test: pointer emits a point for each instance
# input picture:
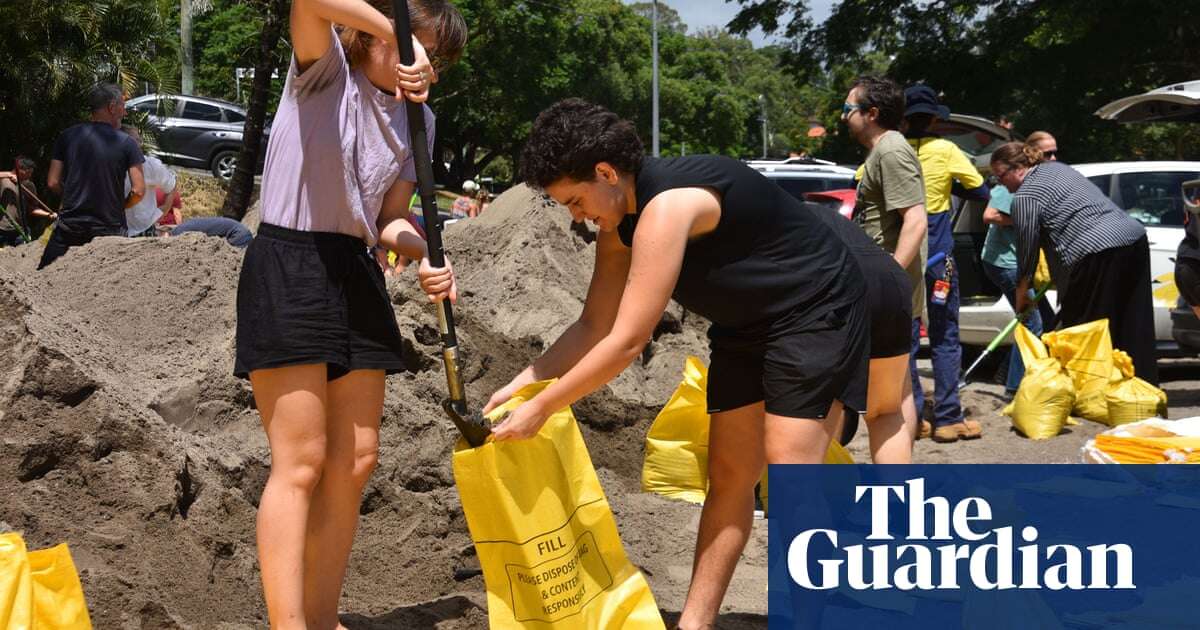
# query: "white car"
(800, 176)
(1149, 191)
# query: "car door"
(1155, 199)
(198, 126)
(160, 114)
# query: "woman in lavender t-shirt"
(316, 333)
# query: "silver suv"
(196, 131)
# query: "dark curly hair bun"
(571, 136)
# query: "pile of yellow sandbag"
(1151, 441)
(1103, 386)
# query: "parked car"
(1179, 102)
(799, 176)
(196, 131)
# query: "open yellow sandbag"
(39, 590)
(1086, 353)
(1152, 441)
(1046, 394)
(676, 462)
(1041, 275)
(1130, 398)
(544, 533)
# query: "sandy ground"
(123, 432)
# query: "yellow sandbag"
(676, 462)
(1086, 352)
(544, 533)
(1041, 275)
(58, 602)
(16, 583)
(1130, 398)
(1046, 394)
(39, 590)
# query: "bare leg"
(741, 442)
(890, 434)
(908, 407)
(353, 406)
(291, 401)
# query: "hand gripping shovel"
(472, 426)
(962, 382)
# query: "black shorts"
(889, 304)
(798, 373)
(1187, 279)
(314, 297)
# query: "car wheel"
(223, 164)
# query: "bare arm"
(54, 177)
(311, 20)
(609, 275)
(658, 249)
(137, 186)
(395, 232)
(912, 232)
(993, 216)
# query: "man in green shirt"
(890, 205)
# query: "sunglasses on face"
(1049, 155)
(848, 108)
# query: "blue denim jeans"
(1006, 280)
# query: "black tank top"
(770, 262)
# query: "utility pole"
(762, 102)
(187, 64)
(654, 88)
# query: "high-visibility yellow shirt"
(942, 162)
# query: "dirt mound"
(125, 434)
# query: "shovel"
(472, 426)
(1020, 317)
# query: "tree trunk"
(241, 186)
(187, 62)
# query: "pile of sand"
(125, 434)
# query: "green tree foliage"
(1047, 64)
(668, 18)
(54, 50)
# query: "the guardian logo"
(966, 557)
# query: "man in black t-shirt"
(88, 169)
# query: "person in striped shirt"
(1102, 250)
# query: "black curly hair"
(883, 94)
(571, 136)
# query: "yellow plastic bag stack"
(39, 590)
(1086, 352)
(1046, 394)
(676, 462)
(1130, 398)
(547, 542)
(1152, 441)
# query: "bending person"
(1104, 250)
(316, 332)
(789, 336)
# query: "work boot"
(925, 431)
(965, 430)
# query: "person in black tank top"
(789, 336)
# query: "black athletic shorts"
(796, 373)
(889, 303)
(1187, 279)
(314, 297)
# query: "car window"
(156, 107)
(201, 111)
(797, 187)
(1154, 198)
(232, 115)
(1103, 182)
